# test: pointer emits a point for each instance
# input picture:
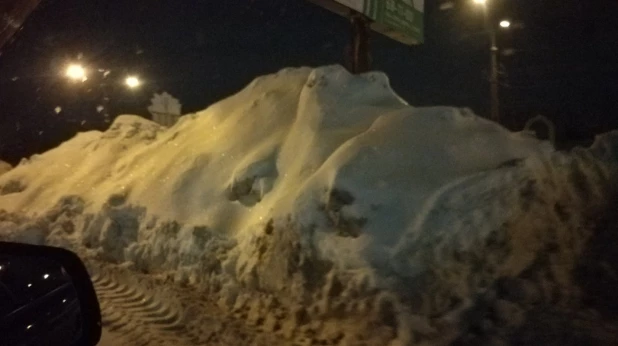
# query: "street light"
(493, 77)
(132, 82)
(505, 24)
(76, 72)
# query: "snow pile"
(328, 191)
(4, 167)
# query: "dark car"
(36, 299)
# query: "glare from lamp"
(132, 82)
(76, 72)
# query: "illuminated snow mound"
(310, 179)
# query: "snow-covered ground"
(366, 219)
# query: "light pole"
(493, 78)
(493, 74)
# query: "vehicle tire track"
(146, 309)
(137, 313)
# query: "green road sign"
(401, 20)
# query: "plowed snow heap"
(332, 193)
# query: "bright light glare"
(480, 2)
(132, 82)
(45, 276)
(76, 72)
(505, 24)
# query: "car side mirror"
(46, 298)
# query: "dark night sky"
(565, 64)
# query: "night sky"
(564, 61)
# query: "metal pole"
(493, 77)
(361, 59)
(495, 97)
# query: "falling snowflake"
(107, 72)
(58, 109)
(100, 108)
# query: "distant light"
(76, 72)
(480, 2)
(505, 24)
(132, 82)
(29, 285)
(1, 267)
(58, 110)
(45, 276)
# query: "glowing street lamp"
(132, 82)
(505, 24)
(76, 72)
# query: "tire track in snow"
(137, 315)
(140, 309)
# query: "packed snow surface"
(314, 184)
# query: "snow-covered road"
(142, 311)
(109, 339)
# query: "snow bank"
(4, 167)
(325, 189)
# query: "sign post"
(401, 20)
(359, 55)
